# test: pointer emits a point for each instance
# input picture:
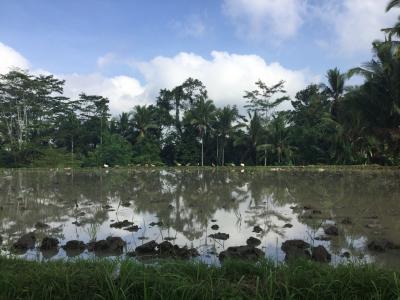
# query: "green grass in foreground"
(183, 280)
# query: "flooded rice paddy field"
(354, 215)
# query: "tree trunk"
(202, 150)
(217, 151)
(9, 128)
(223, 152)
(101, 131)
(254, 154)
(177, 122)
(265, 157)
(279, 156)
(72, 148)
(19, 128)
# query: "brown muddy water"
(81, 205)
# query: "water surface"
(189, 201)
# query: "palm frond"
(392, 4)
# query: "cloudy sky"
(128, 49)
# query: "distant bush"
(50, 157)
(146, 151)
(115, 150)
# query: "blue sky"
(128, 49)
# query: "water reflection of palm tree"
(195, 195)
(269, 216)
(45, 196)
(266, 196)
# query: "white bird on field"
(105, 166)
(242, 164)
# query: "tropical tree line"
(332, 123)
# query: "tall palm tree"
(335, 88)
(278, 139)
(123, 124)
(379, 99)
(201, 116)
(255, 132)
(142, 120)
(382, 75)
(395, 30)
(225, 126)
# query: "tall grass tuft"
(129, 279)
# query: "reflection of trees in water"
(194, 195)
(268, 218)
(57, 196)
(32, 196)
(267, 194)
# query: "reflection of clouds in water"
(186, 201)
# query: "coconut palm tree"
(278, 139)
(225, 126)
(335, 88)
(122, 124)
(393, 32)
(382, 77)
(201, 116)
(255, 133)
(142, 120)
(378, 99)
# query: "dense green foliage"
(104, 279)
(330, 123)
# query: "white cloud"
(354, 24)
(10, 58)
(124, 92)
(264, 19)
(225, 75)
(351, 25)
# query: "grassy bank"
(179, 280)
